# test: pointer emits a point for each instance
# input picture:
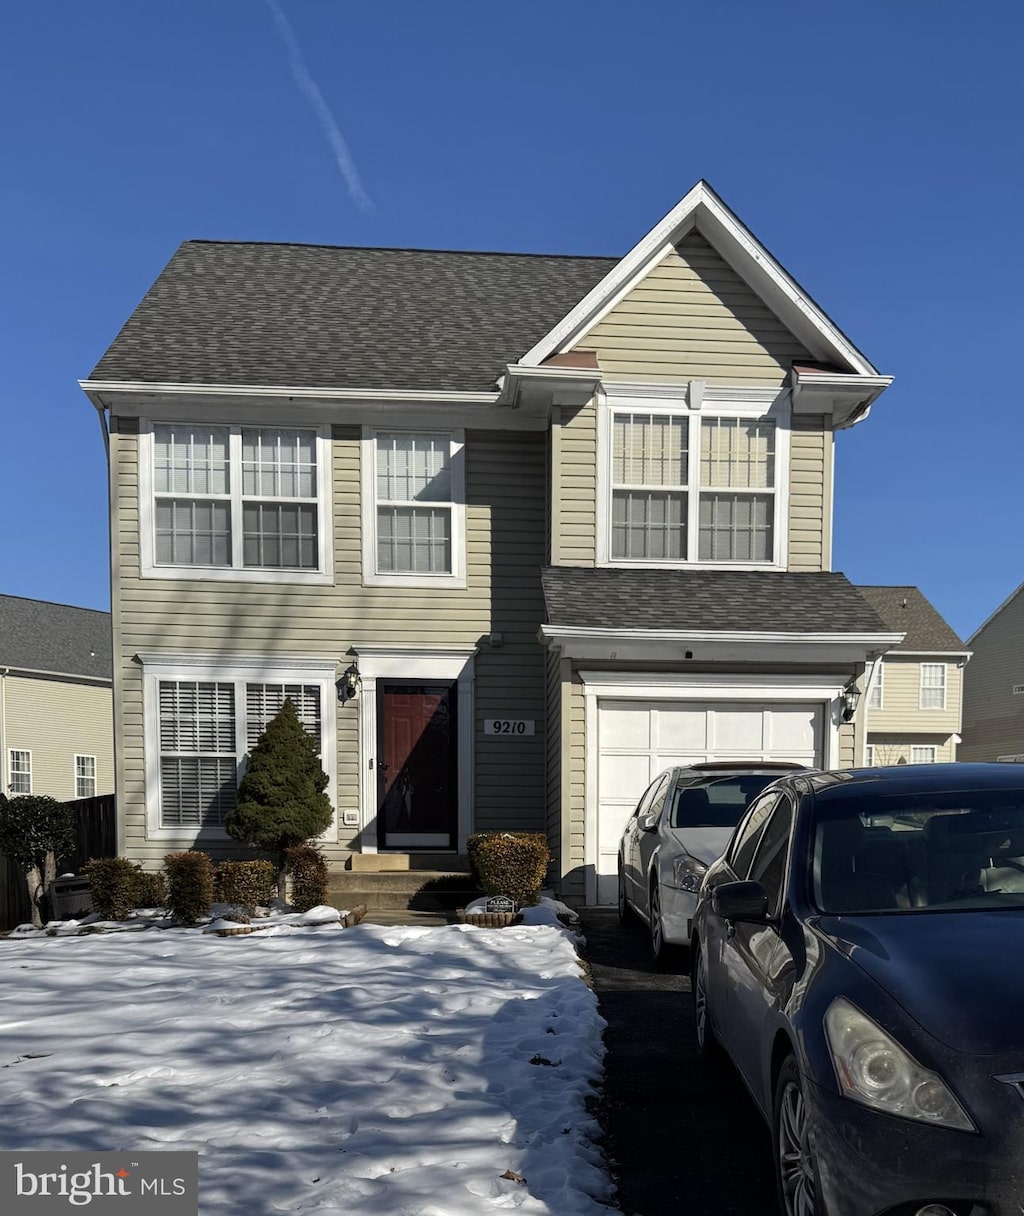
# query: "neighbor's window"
(877, 680)
(235, 497)
(933, 685)
(922, 755)
(692, 487)
(415, 503)
(85, 776)
(20, 772)
(206, 728)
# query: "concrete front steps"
(397, 888)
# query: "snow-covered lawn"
(360, 1072)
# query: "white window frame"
(13, 772)
(372, 577)
(237, 571)
(239, 670)
(869, 755)
(922, 686)
(922, 747)
(83, 777)
(876, 697)
(695, 402)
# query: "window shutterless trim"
(938, 687)
(237, 571)
(372, 577)
(85, 776)
(21, 772)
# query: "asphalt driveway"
(681, 1138)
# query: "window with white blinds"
(933, 686)
(236, 497)
(85, 776)
(198, 763)
(263, 702)
(923, 754)
(692, 487)
(415, 503)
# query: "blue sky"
(875, 148)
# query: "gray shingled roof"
(323, 316)
(39, 636)
(906, 610)
(597, 598)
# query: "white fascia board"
(702, 209)
(95, 389)
(39, 674)
(847, 398)
(517, 378)
(646, 645)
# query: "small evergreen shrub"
(189, 885)
(113, 885)
(509, 863)
(309, 876)
(250, 884)
(149, 888)
(36, 832)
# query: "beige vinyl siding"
(993, 713)
(574, 486)
(554, 769)
(692, 316)
(810, 470)
(57, 720)
(505, 540)
(889, 748)
(574, 751)
(901, 713)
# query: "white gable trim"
(702, 209)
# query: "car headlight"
(874, 1069)
(687, 873)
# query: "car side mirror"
(746, 902)
(647, 823)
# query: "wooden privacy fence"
(95, 836)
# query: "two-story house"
(512, 531)
(56, 716)
(994, 686)
(914, 694)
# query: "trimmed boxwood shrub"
(189, 885)
(309, 876)
(250, 884)
(113, 884)
(149, 888)
(510, 863)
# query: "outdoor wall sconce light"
(851, 696)
(349, 683)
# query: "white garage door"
(637, 739)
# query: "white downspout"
(3, 729)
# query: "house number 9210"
(509, 727)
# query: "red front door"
(416, 768)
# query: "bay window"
(233, 501)
(692, 486)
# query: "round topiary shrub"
(510, 863)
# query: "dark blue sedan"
(859, 954)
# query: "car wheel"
(708, 1051)
(796, 1170)
(625, 911)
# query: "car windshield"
(716, 802)
(923, 852)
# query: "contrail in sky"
(308, 85)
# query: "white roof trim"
(756, 636)
(97, 387)
(992, 616)
(702, 209)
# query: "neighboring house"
(994, 686)
(56, 714)
(549, 523)
(913, 703)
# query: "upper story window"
(413, 508)
(877, 680)
(933, 686)
(19, 771)
(693, 486)
(85, 776)
(233, 502)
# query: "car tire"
(709, 1053)
(661, 952)
(625, 911)
(796, 1170)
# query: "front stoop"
(437, 891)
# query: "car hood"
(958, 975)
(706, 844)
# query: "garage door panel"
(736, 731)
(681, 728)
(624, 778)
(796, 729)
(624, 726)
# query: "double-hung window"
(234, 501)
(693, 486)
(923, 754)
(201, 724)
(933, 686)
(19, 771)
(413, 508)
(85, 776)
(877, 680)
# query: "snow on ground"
(363, 1072)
